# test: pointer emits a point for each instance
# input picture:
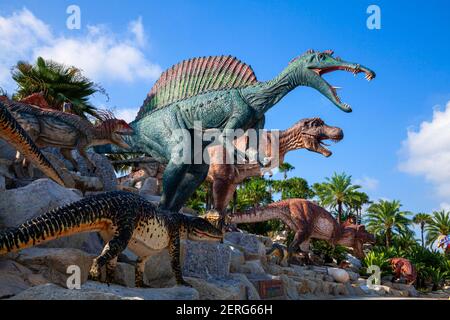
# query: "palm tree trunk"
(388, 238)
(421, 231)
(339, 211)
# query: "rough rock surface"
(21, 204)
(339, 275)
(149, 187)
(98, 291)
(206, 260)
(252, 245)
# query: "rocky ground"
(235, 269)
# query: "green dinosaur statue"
(221, 93)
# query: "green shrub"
(327, 251)
(377, 258)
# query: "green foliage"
(198, 200)
(378, 258)
(337, 193)
(285, 167)
(253, 193)
(327, 251)
(385, 218)
(439, 225)
(293, 188)
(58, 83)
(422, 219)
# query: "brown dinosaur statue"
(308, 221)
(403, 268)
(305, 134)
(67, 131)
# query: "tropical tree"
(292, 188)
(58, 83)
(285, 167)
(438, 226)
(385, 218)
(356, 204)
(422, 219)
(337, 192)
(253, 193)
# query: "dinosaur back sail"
(195, 76)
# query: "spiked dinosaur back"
(195, 76)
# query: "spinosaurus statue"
(17, 137)
(123, 220)
(221, 93)
(307, 134)
(308, 221)
(51, 128)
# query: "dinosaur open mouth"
(318, 144)
(331, 91)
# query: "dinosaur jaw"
(331, 91)
(317, 143)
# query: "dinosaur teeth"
(337, 88)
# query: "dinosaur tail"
(86, 215)
(14, 134)
(255, 215)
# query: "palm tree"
(58, 83)
(285, 167)
(385, 218)
(422, 219)
(357, 203)
(438, 226)
(253, 193)
(337, 192)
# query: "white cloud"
(127, 114)
(101, 54)
(426, 152)
(137, 28)
(368, 183)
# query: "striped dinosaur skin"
(16, 136)
(123, 220)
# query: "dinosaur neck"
(264, 95)
(290, 140)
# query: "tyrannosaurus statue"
(123, 220)
(16, 136)
(305, 134)
(308, 221)
(217, 93)
(51, 128)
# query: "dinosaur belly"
(323, 229)
(149, 237)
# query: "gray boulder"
(42, 195)
(99, 291)
(149, 187)
(206, 260)
(251, 244)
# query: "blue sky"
(129, 44)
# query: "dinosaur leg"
(299, 238)
(67, 154)
(110, 252)
(192, 179)
(139, 271)
(89, 163)
(172, 177)
(174, 252)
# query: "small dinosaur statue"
(403, 268)
(308, 221)
(217, 93)
(123, 220)
(17, 137)
(305, 134)
(49, 128)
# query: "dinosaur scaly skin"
(308, 221)
(16, 136)
(305, 134)
(403, 268)
(123, 219)
(187, 94)
(51, 128)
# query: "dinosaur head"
(311, 66)
(113, 129)
(199, 229)
(311, 133)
